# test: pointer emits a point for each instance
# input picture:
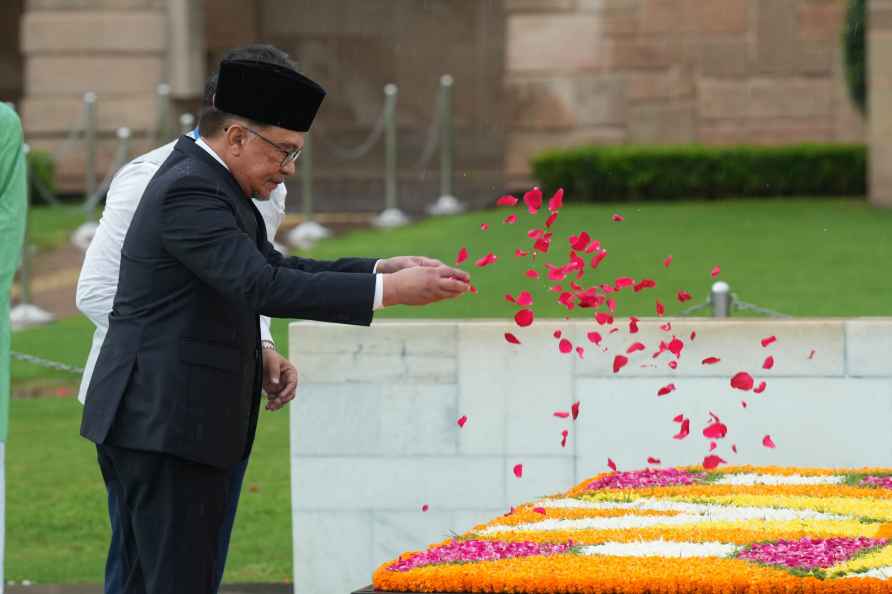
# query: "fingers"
(272, 363)
(428, 262)
(455, 273)
(288, 381)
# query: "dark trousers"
(170, 514)
(114, 564)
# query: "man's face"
(263, 161)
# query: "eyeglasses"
(290, 155)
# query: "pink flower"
(458, 551)
(649, 477)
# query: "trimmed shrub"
(623, 173)
(854, 50)
(42, 167)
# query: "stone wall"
(115, 48)
(374, 434)
(674, 71)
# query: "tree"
(854, 46)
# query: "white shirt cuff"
(375, 267)
(265, 333)
(379, 292)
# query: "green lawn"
(51, 226)
(803, 257)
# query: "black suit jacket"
(180, 369)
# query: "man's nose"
(289, 168)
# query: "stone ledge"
(93, 32)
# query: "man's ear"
(235, 139)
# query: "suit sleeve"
(363, 265)
(200, 230)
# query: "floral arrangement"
(730, 530)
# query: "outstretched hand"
(421, 285)
(391, 265)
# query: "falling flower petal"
(574, 410)
(518, 470)
(619, 362)
(742, 381)
(561, 414)
(486, 260)
(473, 289)
(617, 218)
(533, 200)
(531, 273)
(556, 333)
(603, 318)
(683, 296)
(693, 334)
(678, 418)
(542, 244)
(667, 261)
(766, 341)
(716, 430)
(710, 462)
(506, 201)
(811, 355)
(594, 338)
(715, 271)
(510, 219)
(712, 446)
(598, 258)
(524, 299)
(524, 317)
(484, 226)
(425, 507)
(539, 510)
(623, 282)
(633, 325)
(768, 363)
(768, 442)
(645, 284)
(675, 346)
(710, 361)
(760, 388)
(652, 460)
(565, 346)
(564, 435)
(579, 242)
(520, 253)
(635, 347)
(684, 431)
(511, 338)
(462, 256)
(661, 309)
(557, 201)
(462, 420)
(581, 352)
(673, 364)
(734, 448)
(743, 403)
(667, 389)
(667, 327)
(510, 298)
(551, 219)
(611, 464)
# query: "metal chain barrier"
(350, 154)
(722, 302)
(121, 156)
(433, 138)
(47, 363)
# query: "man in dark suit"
(174, 399)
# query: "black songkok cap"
(268, 93)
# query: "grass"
(803, 257)
(50, 227)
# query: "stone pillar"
(115, 48)
(879, 47)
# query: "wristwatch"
(268, 345)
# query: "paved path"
(97, 589)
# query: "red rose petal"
(619, 362)
(533, 200)
(565, 346)
(425, 507)
(734, 448)
(715, 271)
(742, 381)
(506, 201)
(462, 420)
(581, 352)
(675, 346)
(524, 317)
(484, 226)
(667, 261)
(678, 418)
(574, 410)
(611, 464)
(712, 446)
(510, 298)
(524, 299)
(518, 470)
(652, 460)
(710, 462)
(673, 364)
(667, 389)
(683, 296)
(645, 284)
(520, 253)
(684, 431)
(743, 403)
(598, 258)
(511, 338)
(768, 363)
(661, 309)
(635, 347)
(579, 242)
(551, 219)
(531, 273)
(564, 435)
(462, 256)
(710, 361)
(510, 219)
(556, 334)
(618, 218)
(561, 414)
(557, 201)
(486, 260)
(667, 327)
(611, 305)
(760, 388)
(693, 334)
(633, 325)
(766, 341)
(603, 318)
(768, 442)
(594, 338)
(715, 430)
(539, 510)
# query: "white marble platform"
(374, 434)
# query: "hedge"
(692, 171)
(854, 52)
(41, 165)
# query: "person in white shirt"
(98, 283)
